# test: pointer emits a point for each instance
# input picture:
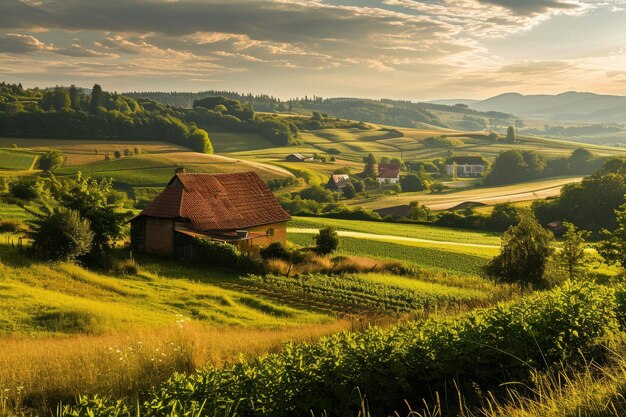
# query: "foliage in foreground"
(480, 350)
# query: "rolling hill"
(568, 106)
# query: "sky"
(403, 49)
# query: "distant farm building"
(466, 166)
(235, 208)
(337, 182)
(297, 157)
(557, 227)
(388, 173)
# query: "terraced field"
(17, 159)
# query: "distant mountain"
(453, 101)
(569, 106)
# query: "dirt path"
(392, 238)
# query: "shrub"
(10, 226)
(503, 216)
(524, 254)
(51, 161)
(327, 240)
(117, 154)
(275, 250)
(61, 235)
(348, 191)
(24, 189)
(412, 182)
(217, 253)
(126, 267)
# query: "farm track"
(392, 238)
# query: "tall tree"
(97, 99)
(511, 137)
(613, 248)
(74, 97)
(370, 166)
(572, 255)
(524, 254)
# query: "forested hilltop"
(385, 111)
(69, 113)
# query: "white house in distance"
(388, 174)
(466, 166)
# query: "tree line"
(70, 113)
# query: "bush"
(51, 161)
(24, 189)
(412, 182)
(10, 226)
(524, 255)
(327, 240)
(126, 267)
(275, 250)
(217, 253)
(61, 235)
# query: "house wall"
(279, 235)
(159, 236)
(388, 180)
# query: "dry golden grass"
(327, 264)
(36, 373)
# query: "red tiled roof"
(388, 171)
(218, 201)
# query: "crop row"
(354, 293)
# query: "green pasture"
(407, 230)
(17, 159)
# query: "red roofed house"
(388, 173)
(235, 208)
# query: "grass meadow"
(17, 159)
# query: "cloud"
(402, 47)
(16, 43)
(536, 67)
(534, 7)
(76, 50)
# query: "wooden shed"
(236, 208)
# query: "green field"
(17, 159)
(154, 170)
(397, 229)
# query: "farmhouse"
(388, 173)
(466, 166)
(235, 208)
(337, 182)
(297, 157)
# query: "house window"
(270, 232)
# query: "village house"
(466, 166)
(337, 182)
(298, 157)
(235, 208)
(388, 173)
